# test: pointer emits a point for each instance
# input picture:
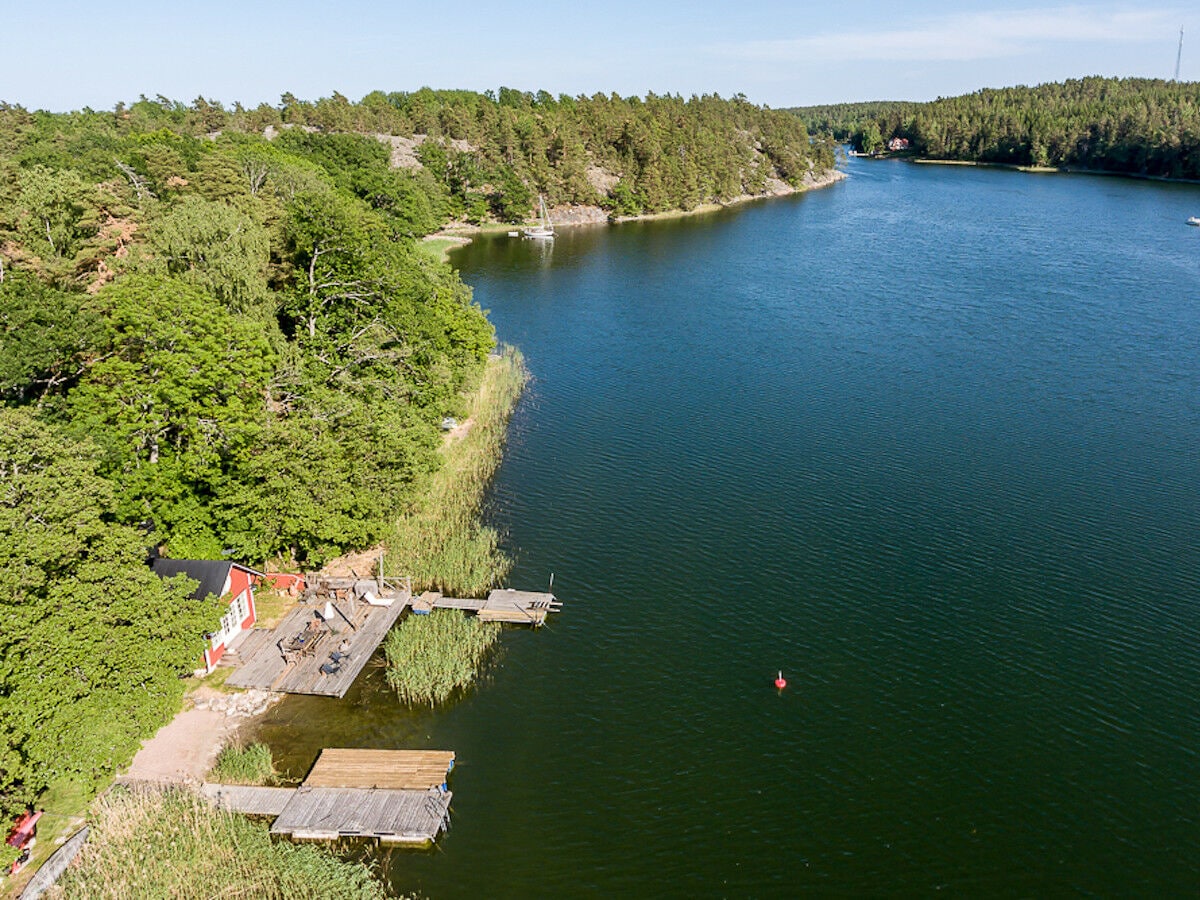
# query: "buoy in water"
(780, 682)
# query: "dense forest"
(1129, 125)
(220, 336)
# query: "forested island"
(223, 338)
(1132, 126)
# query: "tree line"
(1130, 125)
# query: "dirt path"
(185, 749)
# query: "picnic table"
(303, 643)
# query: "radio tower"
(1179, 55)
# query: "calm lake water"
(929, 442)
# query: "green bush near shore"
(249, 764)
(176, 845)
(429, 657)
(440, 541)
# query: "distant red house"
(898, 143)
(229, 581)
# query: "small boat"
(543, 230)
(1194, 220)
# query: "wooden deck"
(397, 770)
(274, 668)
(392, 817)
(326, 814)
(247, 646)
(432, 600)
(254, 801)
(394, 796)
(279, 660)
(503, 605)
(518, 607)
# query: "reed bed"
(441, 542)
(248, 764)
(175, 845)
(430, 657)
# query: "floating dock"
(355, 793)
(323, 644)
(501, 605)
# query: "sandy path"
(183, 750)
(186, 748)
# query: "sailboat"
(543, 230)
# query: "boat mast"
(1179, 54)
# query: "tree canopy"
(1132, 125)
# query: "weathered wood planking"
(262, 668)
(268, 670)
(384, 769)
(518, 607)
(249, 644)
(391, 816)
(254, 801)
(468, 604)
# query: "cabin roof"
(211, 573)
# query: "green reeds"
(176, 845)
(440, 541)
(249, 764)
(429, 657)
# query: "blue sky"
(60, 56)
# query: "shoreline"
(453, 237)
(1052, 170)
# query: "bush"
(250, 764)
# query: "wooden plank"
(267, 670)
(382, 769)
(248, 799)
(468, 604)
(399, 816)
(51, 870)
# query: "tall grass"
(249, 764)
(440, 542)
(429, 657)
(175, 845)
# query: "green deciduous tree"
(178, 393)
(45, 336)
(93, 643)
(214, 246)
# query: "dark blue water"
(927, 441)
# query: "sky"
(61, 56)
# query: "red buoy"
(780, 682)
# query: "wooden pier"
(355, 793)
(501, 605)
(323, 644)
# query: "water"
(927, 442)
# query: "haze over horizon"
(768, 50)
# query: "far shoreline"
(455, 237)
(1049, 170)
